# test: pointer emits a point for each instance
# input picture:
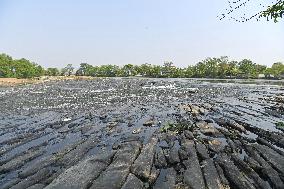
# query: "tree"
(85, 70)
(272, 10)
(6, 66)
(247, 67)
(52, 72)
(68, 70)
(127, 70)
(233, 69)
(275, 11)
(277, 69)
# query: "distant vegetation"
(209, 68)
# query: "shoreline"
(12, 82)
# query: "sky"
(54, 33)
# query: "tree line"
(208, 68)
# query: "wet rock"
(119, 169)
(212, 179)
(174, 155)
(37, 186)
(111, 125)
(20, 160)
(47, 161)
(188, 134)
(266, 170)
(75, 155)
(230, 124)
(193, 177)
(86, 128)
(10, 183)
(202, 151)
(215, 146)
(160, 160)
(271, 156)
(222, 177)
(143, 164)
(167, 180)
(82, 174)
(137, 131)
(233, 174)
(163, 144)
(34, 179)
(149, 123)
(258, 182)
(208, 129)
(266, 143)
(132, 182)
(153, 175)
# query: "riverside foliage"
(209, 68)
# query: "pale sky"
(54, 33)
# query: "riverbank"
(156, 133)
(10, 82)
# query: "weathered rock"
(232, 173)
(215, 145)
(230, 123)
(143, 164)
(266, 170)
(222, 177)
(160, 160)
(201, 151)
(271, 156)
(119, 168)
(208, 129)
(258, 182)
(20, 160)
(232, 145)
(132, 182)
(75, 155)
(137, 131)
(34, 179)
(37, 186)
(174, 155)
(163, 144)
(212, 179)
(169, 180)
(47, 161)
(149, 123)
(82, 174)
(193, 177)
(10, 183)
(188, 134)
(266, 143)
(153, 175)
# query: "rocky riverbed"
(142, 133)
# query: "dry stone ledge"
(246, 169)
(265, 169)
(20, 160)
(233, 174)
(193, 176)
(160, 159)
(132, 182)
(211, 175)
(82, 175)
(34, 179)
(116, 173)
(143, 164)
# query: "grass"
(175, 127)
(280, 125)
